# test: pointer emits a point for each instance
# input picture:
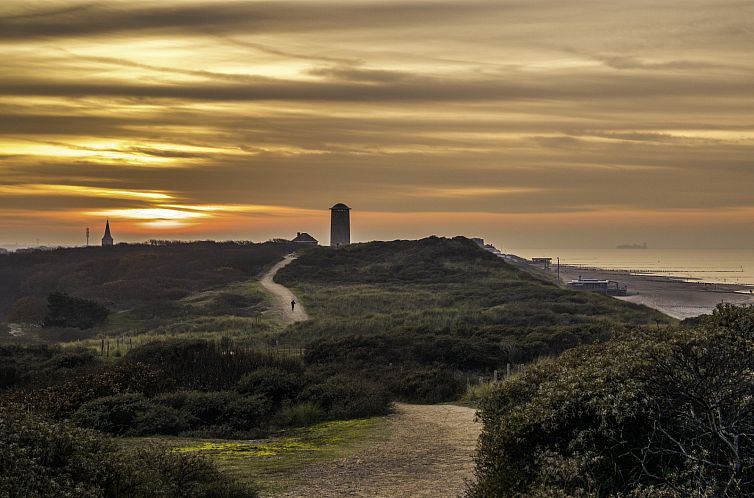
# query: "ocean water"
(731, 266)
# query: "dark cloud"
(228, 17)
(377, 86)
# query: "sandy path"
(282, 295)
(426, 451)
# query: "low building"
(607, 287)
(304, 238)
(545, 263)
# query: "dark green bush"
(220, 408)
(274, 383)
(61, 400)
(344, 397)
(40, 365)
(300, 414)
(129, 415)
(427, 385)
(51, 460)
(646, 414)
(208, 365)
(74, 312)
(220, 413)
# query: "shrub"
(74, 312)
(129, 415)
(646, 414)
(428, 385)
(221, 408)
(207, 365)
(345, 397)
(300, 415)
(274, 383)
(63, 399)
(43, 459)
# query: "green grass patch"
(275, 463)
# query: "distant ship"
(633, 246)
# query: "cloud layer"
(602, 120)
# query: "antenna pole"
(87, 236)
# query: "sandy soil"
(283, 296)
(427, 451)
(673, 297)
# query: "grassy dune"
(444, 287)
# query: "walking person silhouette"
(293, 304)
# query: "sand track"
(282, 295)
(426, 451)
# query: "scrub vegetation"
(661, 414)
(426, 316)
(416, 321)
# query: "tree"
(67, 311)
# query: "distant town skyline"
(528, 123)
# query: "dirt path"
(283, 296)
(427, 451)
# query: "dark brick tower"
(340, 225)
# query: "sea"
(720, 266)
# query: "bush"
(221, 408)
(63, 399)
(646, 414)
(134, 415)
(428, 385)
(344, 397)
(73, 312)
(300, 415)
(43, 459)
(273, 383)
(207, 365)
(129, 415)
(41, 364)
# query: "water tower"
(340, 225)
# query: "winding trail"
(426, 451)
(282, 295)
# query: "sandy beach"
(677, 298)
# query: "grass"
(254, 326)
(276, 463)
(448, 287)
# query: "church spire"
(107, 240)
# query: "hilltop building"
(305, 239)
(340, 225)
(107, 240)
(487, 247)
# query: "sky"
(531, 123)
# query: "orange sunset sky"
(532, 123)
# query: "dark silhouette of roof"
(339, 206)
(107, 239)
(305, 238)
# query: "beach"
(674, 297)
